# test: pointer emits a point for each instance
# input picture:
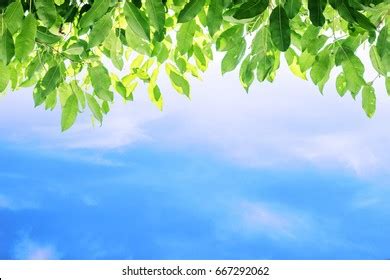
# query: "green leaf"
(185, 36)
(154, 90)
(101, 82)
(45, 36)
(100, 31)
(306, 61)
(376, 61)
(137, 43)
(353, 69)
(247, 72)
(190, 10)
(52, 79)
(316, 10)
(280, 29)
(383, 43)
(136, 21)
(46, 11)
(51, 101)
(214, 16)
(4, 76)
(78, 92)
(178, 81)
(156, 13)
(369, 100)
(233, 57)
(321, 69)
(7, 48)
(341, 84)
(94, 107)
(387, 83)
(251, 9)
(25, 41)
(292, 7)
(262, 42)
(264, 67)
(69, 112)
(98, 9)
(230, 38)
(14, 16)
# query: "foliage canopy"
(78, 53)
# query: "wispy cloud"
(255, 219)
(27, 249)
(9, 203)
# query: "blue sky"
(281, 173)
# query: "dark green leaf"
(98, 9)
(251, 9)
(190, 10)
(280, 29)
(316, 10)
(292, 7)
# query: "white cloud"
(27, 249)
(21, 204)
(284, 123)
(256, 218)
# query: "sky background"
(280, 173)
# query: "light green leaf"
(4, 76)
(101, 82)
(14, 16)
(156, 13)
(233, 57)
(369, 100)
(98, 9)
(45, 36)
(46, 11)
(383, 42)
(137, 43)
(52, 79)
(341, 84)
(247, 72)
(94, 107)
(190, 10)
(136, 21)
(230, 38)
(387, 83)
(25, 41)
(353, 69)
(78, 92)
(7, 48)
(264, 67)
(51, 101)
(321, 68)
(178, 81)
(69, 112)
(100, 31)
(280, 29)
(376, 61)
(185, 36)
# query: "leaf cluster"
(81, 54)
